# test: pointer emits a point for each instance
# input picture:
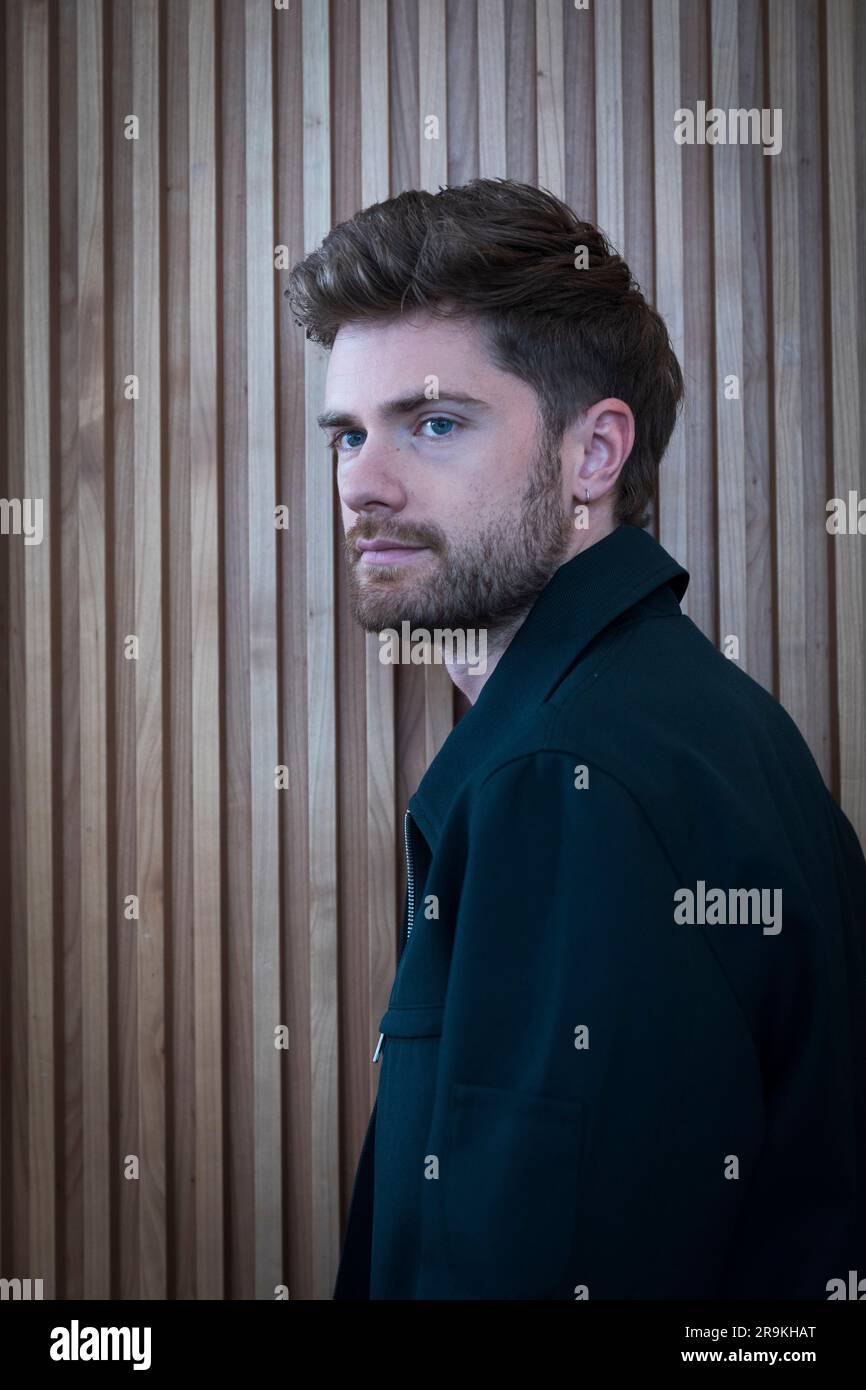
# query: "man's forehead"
(400, 364)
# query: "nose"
(374, 477)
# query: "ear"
(595, 448)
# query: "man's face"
(461, 477)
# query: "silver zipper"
(410, 878)
(410, 907)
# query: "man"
(624, 1052)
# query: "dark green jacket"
(582, 1092)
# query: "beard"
(487, 580)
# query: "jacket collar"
(583, 597)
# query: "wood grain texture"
(296, 1137)
(38, 638)
(237, 863)
(10, 392)
(433, 164)
(122, 621)
(610, 187)
(64, 329)
(92, 523)
(848, 472)
(151, 1037)
(698, 342)
(263, 705)
(669, 261)
(757, 402)
(181, 1127)
(491, 89)
(787, 393)
(729, 386)
(321, 691)
(205, 649)
(550, 95)
(147, 670)
(379, 685)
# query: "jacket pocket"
(412, 1021)
(510, 1193)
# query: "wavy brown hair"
(503, 254)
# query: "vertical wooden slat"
(181, 1018)
(433, 157)
(69, 946)
(204, 561)
(806, 125)
(147, 303)
(849, 474)
(696, 293)
(291, 551)
(462, 93)
(67, 698)
(242, 1099)
(432, 94)
(320, 691)
(380, 745)
(610, 190)
(668, 214)
(728, 288)
(404, 106)
(39, 775)
(755, 270)
(637, 149)
(122, 792)
(491, 89)
(405, 141)
(17, 1100)
(521, 90)
(92, 654)
(264, 751)
(792, 609)
(9, 379)
(550, 95)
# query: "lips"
(382, 551)
(383, 543)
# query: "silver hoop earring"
(586, 490)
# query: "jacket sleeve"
(597, 1083)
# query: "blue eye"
(440, 420)
(345, 435)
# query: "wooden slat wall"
(244, 778)
(38, 636)
(88, 992)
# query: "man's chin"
(386, 600)
(378, 618)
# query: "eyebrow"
(402, 405)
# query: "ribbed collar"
(582, 598)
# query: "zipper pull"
(378, 1047)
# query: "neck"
(472, 681)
